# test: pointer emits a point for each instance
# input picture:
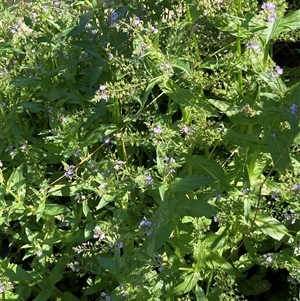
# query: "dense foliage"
(149, 150)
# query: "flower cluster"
(290, 215)
(253, 46)
(145, 225)
(268, 11)
(98, 233)
(69, 171)
(170, 164)
(101, 92)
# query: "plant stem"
(239, 49)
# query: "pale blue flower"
(294, 109)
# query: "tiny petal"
(294, 109)
(157, 129)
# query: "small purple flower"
(113, 19)
(273, 135)
(106, 139)
(77, 153)
(296, 187)
(269, 6)
(245, 191)
(1, 288)
(69, 171)
(120, 245)
(136, 21)
(102, 185)
(168, 66)
(145, 223)
(157, 130)
(279, 70)
(75, 266)
(185, 129)
(271, 18)
(218, 197)
(104, 96)
(98, 233)
(79, 249)
(269, 259)
(169, 160)
(103, 294)
(149, 180)
(160, 268)
(294, 109)
(269, 11)
(154, 30)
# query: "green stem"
(266, 55)
(209, 282)
(239, 48)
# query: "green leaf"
(199, 293)
(44, 294)
(81, 26)
(88, 46)
(216, 260)
(55, 209)
(181, 65)
(271, 227)
(67, 296)
(243, 139)
(271, 30)
(99, 111)
(188, 283)
(189, 183)
(26, 82)
(209, 168)
(55, 275)
(86, 209)
(33, 107)
(289, 22)
(278, 144)
(108, 264)
(17, 273)
(194, 208)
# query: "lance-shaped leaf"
(195, 208)
(188, 283)
(189, 183)
(271, 227)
